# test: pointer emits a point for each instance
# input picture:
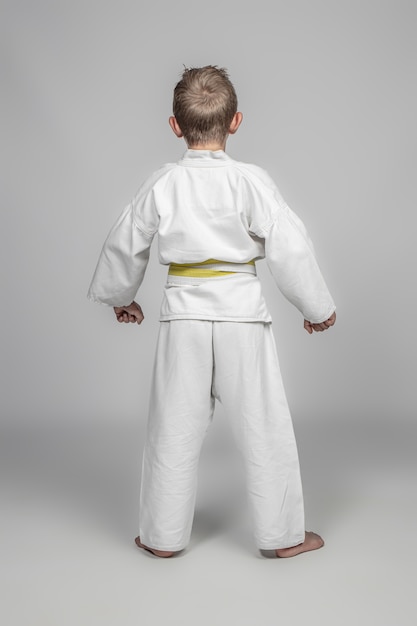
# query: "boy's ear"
(175, 126)
(235, 123)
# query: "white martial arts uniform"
(208, 206)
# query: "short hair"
(204, 104)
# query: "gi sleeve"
(290, 256)
(289, 251)
(125, 254)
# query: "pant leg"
(247, 380)
(181, 409)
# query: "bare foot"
(162, 553)
(311, 542)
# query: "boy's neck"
(208, 146)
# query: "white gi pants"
(236, 363)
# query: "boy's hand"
(320, 327)
(131, 313)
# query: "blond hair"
(204, 104)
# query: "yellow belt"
(207, 269)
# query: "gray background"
(328, 93)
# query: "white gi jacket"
(209, 206)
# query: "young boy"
(214, 218)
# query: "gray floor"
(71, 503)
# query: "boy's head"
(205, 106)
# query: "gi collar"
(204, 158)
